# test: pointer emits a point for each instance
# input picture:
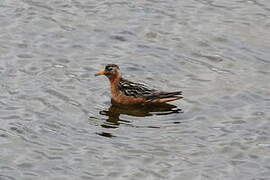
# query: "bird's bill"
(100, 73)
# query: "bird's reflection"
(114, 113)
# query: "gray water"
(57, 121)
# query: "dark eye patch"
(109, 68)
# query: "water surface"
(57, 121)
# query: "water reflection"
(115, 111)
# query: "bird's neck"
(114, 80)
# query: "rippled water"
(57, 121)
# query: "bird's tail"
(162, 97)
(169, 94)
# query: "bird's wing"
(140, 90)
(134, 89)
(163, 95)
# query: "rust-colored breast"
(128, 100)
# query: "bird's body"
(129, 93)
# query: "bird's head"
(112, 71)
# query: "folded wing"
(140, 90)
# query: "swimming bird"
(126, 92)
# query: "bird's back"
(138, 90)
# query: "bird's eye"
(109, 69)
